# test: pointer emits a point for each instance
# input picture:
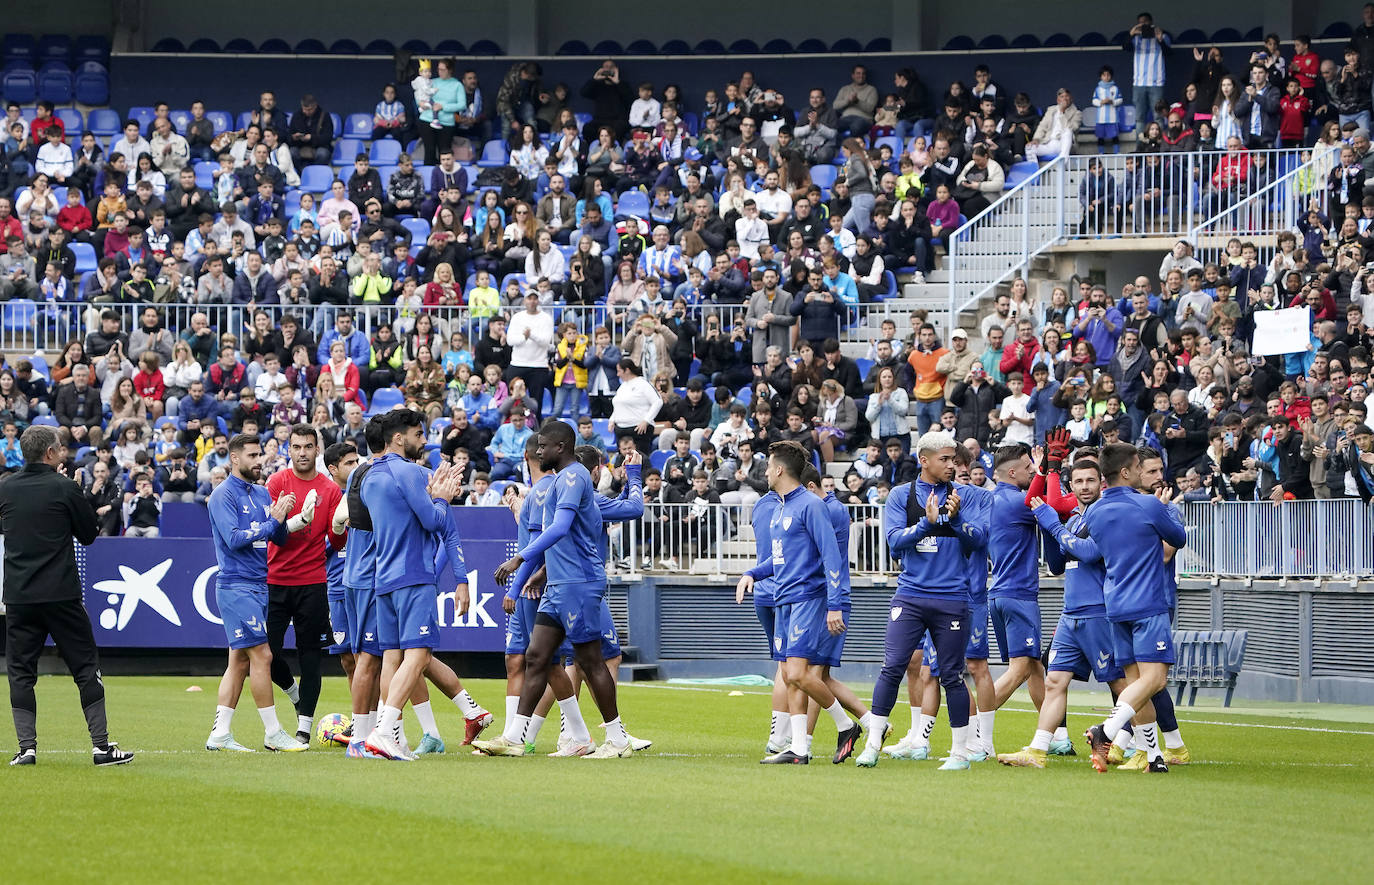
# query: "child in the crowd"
(1106, 98)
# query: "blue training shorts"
(831, 648)
(1017, 625)
(806, 630)
(774, 627)
(243, 608)
(576, 607)
(362, 623)
(338, 624)
(610, 639)
(1085, 645)
(977, 632)
(1145, 641)
(408, 617)
(519, 624)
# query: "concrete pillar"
(525, 29)
(913, 26)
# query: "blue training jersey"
(241, 527)
(575, 557)
(1084, 571)
(451, 551)
(839, 521)
(805, 554)
(1170, 569)
(527, 528)
(360, 553)
(407, 524)
(334, 569)
(975, 506)
(1128, 527)
(1014, 546)
(934, 555)
(762, 572)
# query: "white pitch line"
(1228, 723)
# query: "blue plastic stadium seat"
(91, 47)
(864, 366)
(744, 46)
(811, 44)
(1227, 35)
(603, 427)
(142, 114)
(92, 86)
(244, 119)
(891, 141)
(317, 179)
(19, 46)
(493, 154)
(345, 149)
(485, 47)
(311, 46)
(386, 152)
(244, 45)
(380, 47)
(419, 47)
(419, 229)
(72, 122)
(40, 365)
(1058, 41)
(358, 126)
(634, 203)
(993, 41)
(55, 85)
(44, 420)
(961, 43)
(878, 44)
(659, 457)
(221, 120)
(345, 47)
(1092, 38)
(574, 47)
(384, 400)
(823, 175)
(21, 85)
(1192, 35)
(777, 46)
(641, 47)
(1025, 41)
(203, 44)
(889, 286)
(19, 315)
(1126, 118)
(104, 122)
(180, 120)
(169, 44)
(709, 47)
(55, 47)
(608, 47)
(1019, 172)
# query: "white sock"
(294, 693)
(958, 746)
(810, 739)
(1172, 739)
(973, 729)
(572, 717)
(1138, 738)
(389, 724)
(224, 717)
(1123, 739)
(838, 714)
(270, 725)
(777, 723)
(305, 723)
(1041, 741)
(1061, 733)
(1120, 716)
(512, 703)
(466, 705)
(866, 721)
(515, 729)
(784, 729)
(536, 723)
(1150, 734)
(362, 726)
(927, 726)
(877, 726)
(798, 733)
(425, 713)
(986, 722)
(916, 719)
(615, 732)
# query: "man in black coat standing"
(40, 512)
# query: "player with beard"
(243, 518)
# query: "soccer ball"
(330, 727)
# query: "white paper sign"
(1282, 331)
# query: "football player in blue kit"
(571, 602)
(924, 525)
(242, 520)
(1082, 642)
(340, 460)
(766, 610)
(410, 519)
(360, 604)
(1130, 529)
(808, 573)
(1014, 593)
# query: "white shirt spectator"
(751, 233)
(645, 113)
(551, 265)
(55, 159)
(773, 203)
(530, 351)
(635, 403)
(130, 149)
(1015, 407)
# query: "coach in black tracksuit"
(40, 512)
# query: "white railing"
(1263, 214)
(1259, 539)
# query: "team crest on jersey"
(777, 642)
(786, 523)
(896, 612)
(1053, 655)
(424, 629)
(1159, 646)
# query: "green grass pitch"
(1277, 793)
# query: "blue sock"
(1164, 711)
